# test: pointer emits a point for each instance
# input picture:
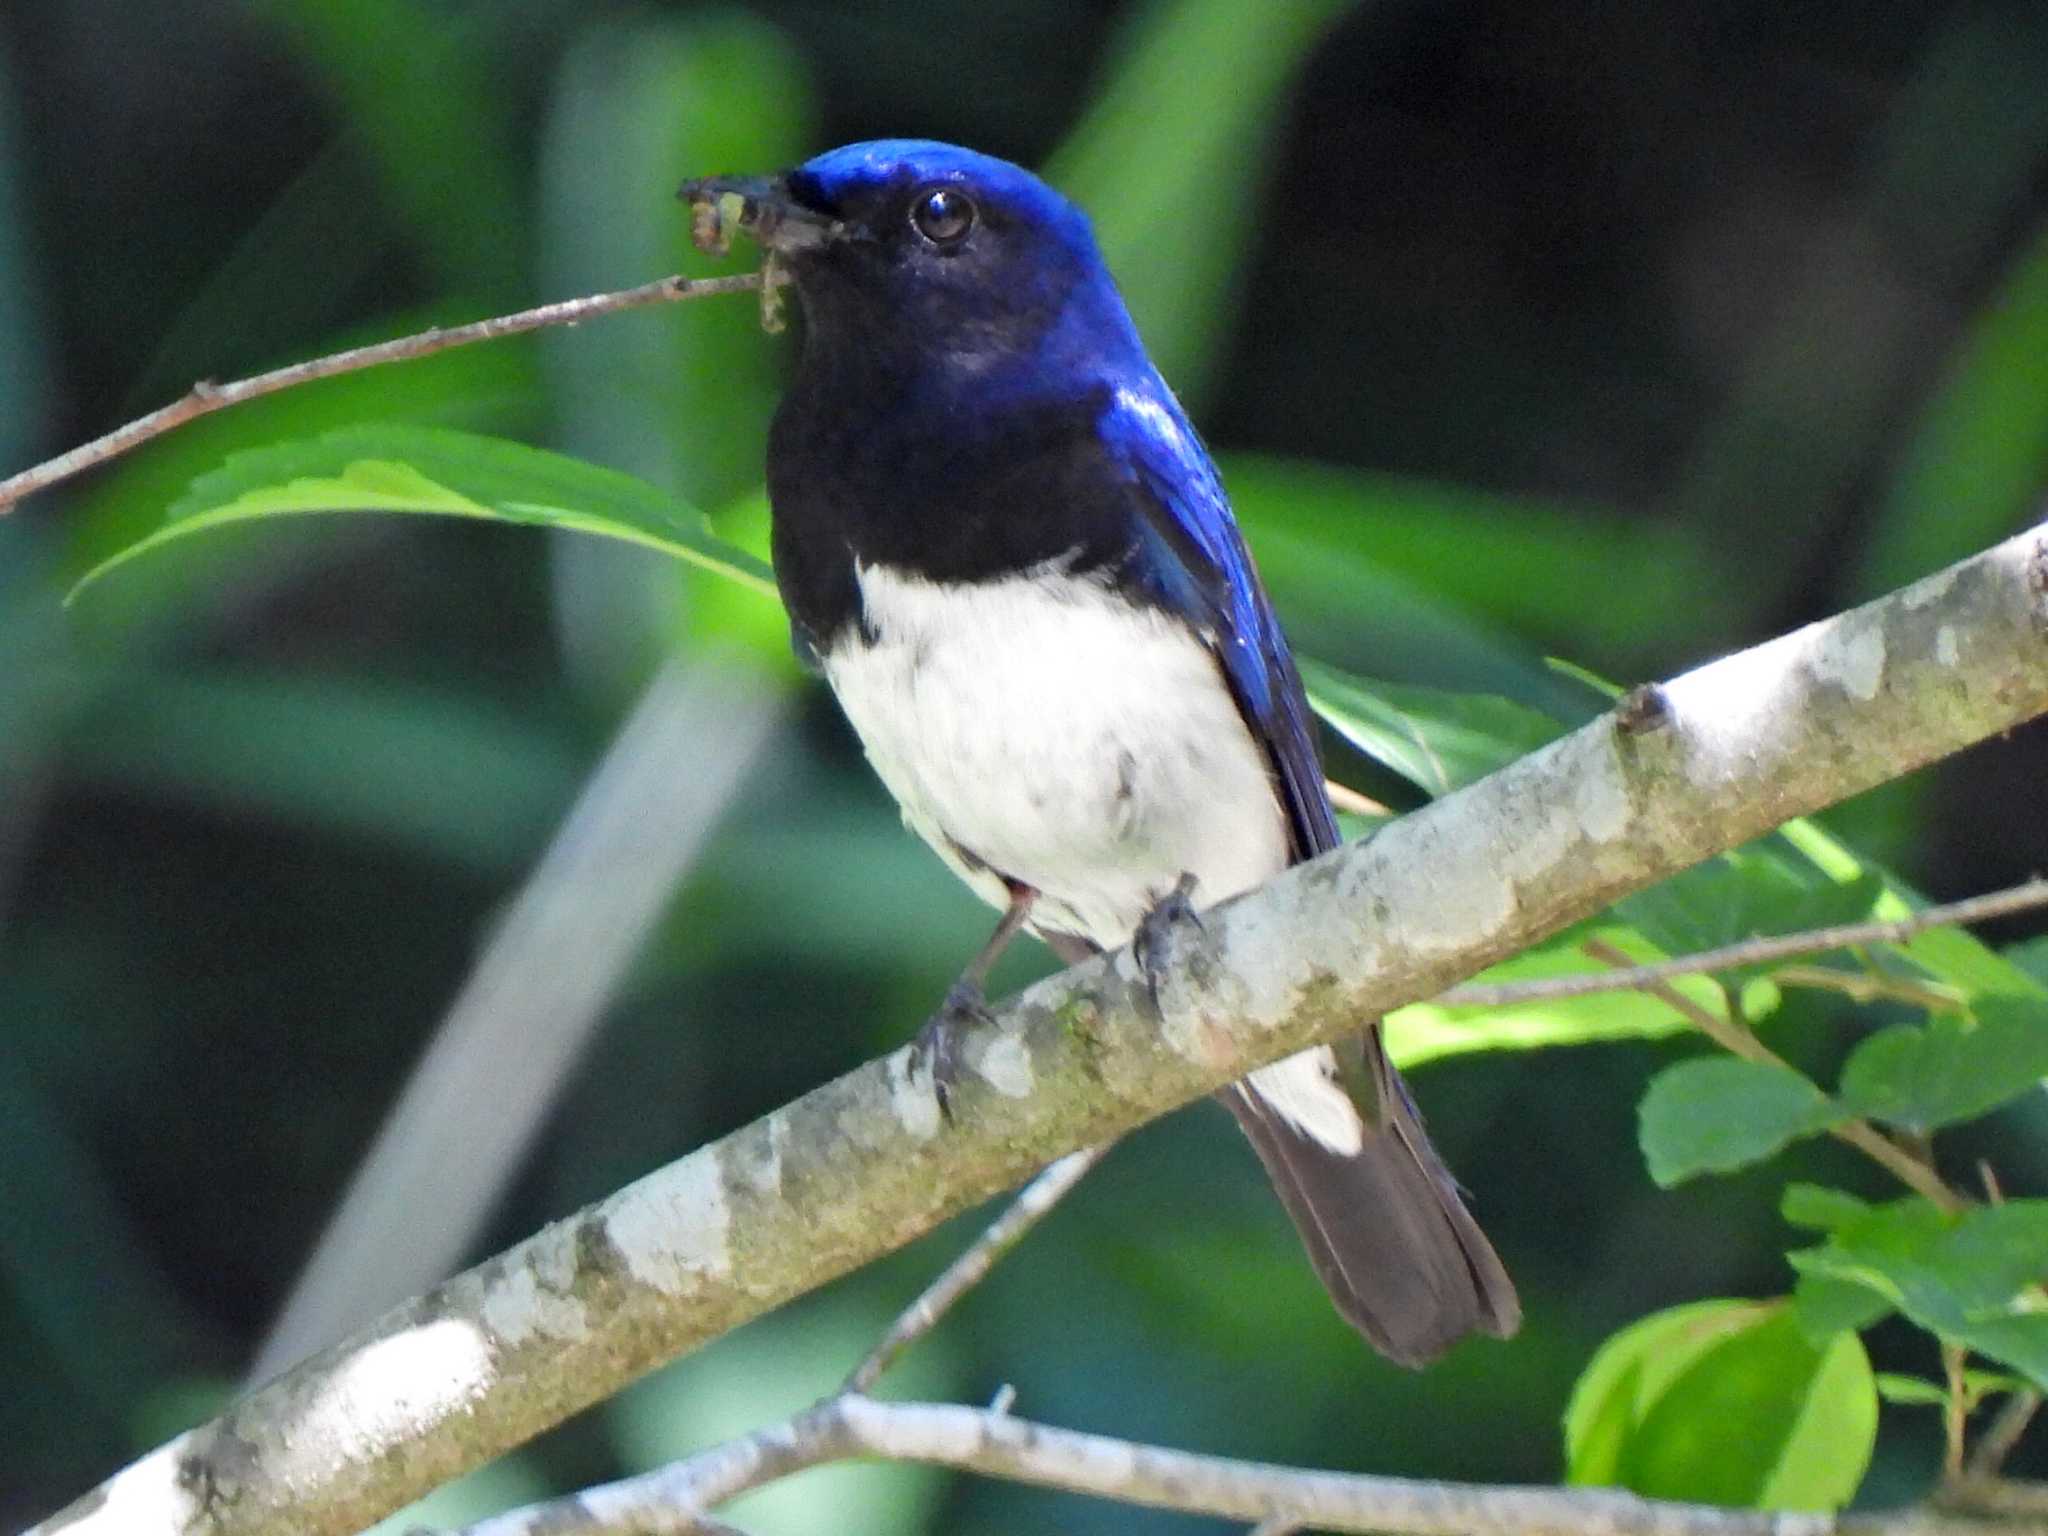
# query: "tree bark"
(865, 1164)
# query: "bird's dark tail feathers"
(1384, 1226)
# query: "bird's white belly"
(1042, 730)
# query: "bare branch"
(972, 1267)
(861, 1166)
(1628, 977)
(667, 1501)
(206, 397)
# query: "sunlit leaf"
(1953, 956)
(1718, 1114)
(1424, 1031)
(1724, 1402)
(1435, 739)
(451, 474)
(1916, 1390)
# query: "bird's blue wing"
(1192, 559)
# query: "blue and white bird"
(1003, 544)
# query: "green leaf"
(1818, 1208)
(1918, 1391)
(1951, 1070)
(1424, 1031)
(1724, 1402)
(1436, 740)
(1195, 95)
(2031, 956)
(1975, 468)
(427, 105)
(682, 399)
(1656, 582)
(451, 474)
(1744, 893)
(1972, 1278)
(1824, 1307)
(1953, 956)
(1913, 1390)
(1718, 1114)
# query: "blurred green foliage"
(1622, 336)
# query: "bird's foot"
(937, 1048)
(1159, 929)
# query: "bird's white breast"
(1044, 729)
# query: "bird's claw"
(1153, 943)
(937, 1048)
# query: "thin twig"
(2007, 1425)
(1955, 1410)
(1358, 803)
(968, 1271)
(206, 397)
(1912, 1171)
(1862, 987)
(667, 1501)
(1632, 977)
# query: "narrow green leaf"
(1656, 581)
(1919, 1391)
(681, 399)
(1436, 740)
(451, 474)
(1818, 1208)
(1912, 1390)
(1718, 1114)
(1951, 1070)
(427, 104)
(1975, 467)
(1725, 1402)
(1194, 97)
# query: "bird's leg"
(1153, 942)
(938, 1042)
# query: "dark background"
(1628, 334)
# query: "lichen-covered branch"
(861, 1166)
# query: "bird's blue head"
(910, 245)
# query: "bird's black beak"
(761, 206)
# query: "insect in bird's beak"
(759, 206)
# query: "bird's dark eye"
(943, 215)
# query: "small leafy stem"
(1908, 1166)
